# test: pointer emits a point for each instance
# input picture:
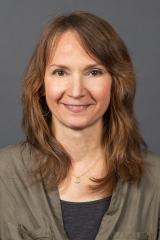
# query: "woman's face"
(77, 88)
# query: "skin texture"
(77, 84)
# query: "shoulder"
(152, 168)
(152, 160)
(12, 156)
(8, 150)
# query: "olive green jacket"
(31, 212)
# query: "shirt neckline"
(86, 202)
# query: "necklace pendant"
(77, 180)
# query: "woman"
(84, 171)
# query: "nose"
(76, 88)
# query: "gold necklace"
(78, 180)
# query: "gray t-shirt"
(82, 219)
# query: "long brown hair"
(121, 138)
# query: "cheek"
(103, 92)
(53, 91)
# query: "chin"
(78, 126)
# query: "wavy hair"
(123, 143)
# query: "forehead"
(69, 44)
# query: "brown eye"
(58, 72)
(96, 72)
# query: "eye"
(96, 72)
(58, 72)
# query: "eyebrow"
(65, 67)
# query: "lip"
(76, 108)
(76, 104)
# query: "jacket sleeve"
(8, 222)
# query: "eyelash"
(60, 70)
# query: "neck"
(85, 149)
(83, 145)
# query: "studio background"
(137, 22)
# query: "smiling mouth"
(76, 104)
(76, 108)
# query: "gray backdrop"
(138, 23)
